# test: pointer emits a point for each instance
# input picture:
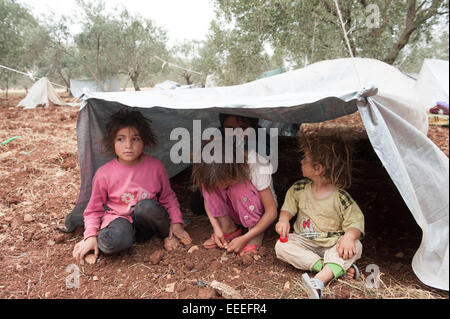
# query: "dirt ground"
(39, 186)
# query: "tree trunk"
(402, 41)
(414, 18)
(134, 79)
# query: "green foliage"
(15, 25)
(310, 30)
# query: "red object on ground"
(284, 239)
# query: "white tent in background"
(395, 122)
(40, 94)
(79, 86)
(432, 84)
(167, 85)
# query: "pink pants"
(240, 201)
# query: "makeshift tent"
(40, 94)
(79, 86)
(167, 85)
(395, 123)
(432, 84)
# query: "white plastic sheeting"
(394, 120)
(40, 94)
(433, 83)
(79, 86)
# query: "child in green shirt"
(329, 223)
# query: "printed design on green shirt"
(301, 184)
(345, 199)
(307, 226)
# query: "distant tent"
(167, 85)
(79, 86)
(432, 84)
(271, 73)
(40, 94)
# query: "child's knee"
(114, 240)
(280, 249)
(149, 209)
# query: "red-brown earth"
(39, 186)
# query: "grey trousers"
(149, 219)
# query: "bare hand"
(346, 247)
(85, 246)
(237, 244)
(180, 233)
(219, 238)
(282, 228)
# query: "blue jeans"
(149, 218)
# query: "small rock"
(170, 287)
(48, 294)
(27, 218)
(247, 259)
(38, 236)
(50, 242)
(8, 218)
(287, 286)
(181, 287)
(257, 257)
(185, 241)
(95, 278)
(206, 293)
(214, 266)
(226, 291)
(156, 257)
(189, 265)
(399, 255)
(19, 268)
(224, 257)
(192, 249)
(91, 259)
(59, 238)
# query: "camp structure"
(394, 120)
(40, 94)
(433, 83)
(79, 86)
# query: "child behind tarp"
(329, 223)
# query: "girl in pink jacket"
(131, 196)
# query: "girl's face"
(308, 168)
(128, 146)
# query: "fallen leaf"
(192, 249)
(170, 287)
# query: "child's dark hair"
(253, 122)
(332, 148)
(128, 118)
(210, 175)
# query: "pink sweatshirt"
(120, 187)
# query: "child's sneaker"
(313, 286)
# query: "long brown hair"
(332, 148)
(126, 117)
(210, 175)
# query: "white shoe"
(313, 286)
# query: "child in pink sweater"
(131, 196)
